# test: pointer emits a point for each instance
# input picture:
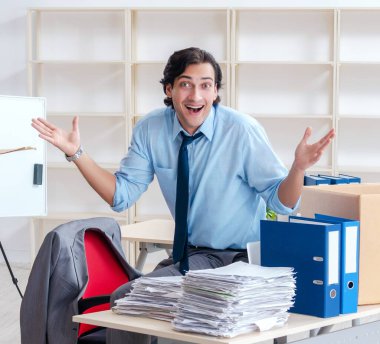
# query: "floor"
(10, 302)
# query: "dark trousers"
(199, 259)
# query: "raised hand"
(306, 155)
(67, 142)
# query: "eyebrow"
(190, 78)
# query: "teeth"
(194, 107)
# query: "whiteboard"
(18, 194)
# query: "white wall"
(15, 233)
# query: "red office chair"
(105, 274)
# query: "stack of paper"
(235, 299)
(153, 297)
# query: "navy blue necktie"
(181, 205)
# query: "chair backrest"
(105, 272)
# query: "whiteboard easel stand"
(14, 279)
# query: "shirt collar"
(207, 127)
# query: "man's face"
(193, 94)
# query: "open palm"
(306, 155)
(67, 142)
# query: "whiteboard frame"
(18, 195)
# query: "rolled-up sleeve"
(275, 203)
(264, 170)
(135, 172)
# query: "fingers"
(43, 124)
(328, 137)
(325, 141)
(47, 138)
(76, 124)
(320, 146)
(41, 128)
(308, 154)
(49, 125)
(307, 134)
(324, 144)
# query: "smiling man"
(193, 94)
(215, 166)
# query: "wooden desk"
(151, 235)
(296, 324)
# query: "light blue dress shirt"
(233, 172)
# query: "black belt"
(217, 249)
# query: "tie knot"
(186, 140)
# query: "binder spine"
(332, 297)
(349, 266)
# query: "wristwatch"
(76, 156)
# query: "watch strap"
(76, 156)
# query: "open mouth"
(194, 109)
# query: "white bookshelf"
(289, 68)
(358, 86)
(284, 74)
(282, 35)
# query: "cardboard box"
(359, 202)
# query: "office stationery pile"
(234, 299)
(152, 297)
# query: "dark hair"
(180, 60)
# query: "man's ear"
(168, 90)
